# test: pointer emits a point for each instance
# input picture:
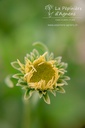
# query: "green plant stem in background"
(30, 118)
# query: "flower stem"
(43, 46)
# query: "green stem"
(30, 114)
(43, 46)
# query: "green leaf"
(43, 92)
(51, 56)
(32, 58)
(36, 53)
(18, 84)
(53, 92)
(63, 65)
(58, 59)
(62, 71)
(33, 55)
(17, 76)
(20, 64)
(65, 77)
(46, 98)
(40, 94)
(28, 94)
(60, 89)
(61, 82)
(15, 65)
(22, 83)
(65, 83)
(27, 57)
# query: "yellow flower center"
(41, 74)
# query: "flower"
(41, 73)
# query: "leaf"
(62, 71)
(17, 76)
(28, 94)
(27, 57)
(46, 98)
(58, 59)
(66, 78)
(20, 64)
(18, 84)
(21, 83)
(65, 83)
(9, 82)
(53, 92)
(36, 53)
(61, 82)
(15, 65)
(32, 54)
(51, 56)
(60, 89)
(63, 65)
(32, 58)
(43, 92)
(40, 94)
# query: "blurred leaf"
(9, 82)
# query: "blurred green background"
(21, 24)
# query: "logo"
(62, 11)
(62, 15)
(49, 8)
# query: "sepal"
(15, 65)
(53, 92)
(28, 94)
(65, 77)
(58, 59)
(46, 98)
(60, 89)
(40, 94)
(51, 56)
(63, 65)
(17, 76)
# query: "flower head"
(41, 73)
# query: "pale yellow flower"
(41, 73)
